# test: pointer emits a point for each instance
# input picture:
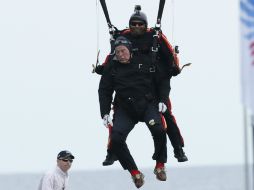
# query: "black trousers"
(124, 123)
(173, 131)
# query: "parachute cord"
(172, 12)
(172, 32)
(97, 26)
(97, 37)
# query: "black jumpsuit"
(142, 47)
(134, 85)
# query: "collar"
(61, 172)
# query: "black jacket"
(134, 81)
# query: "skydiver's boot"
(180, 154)
(160, 172)
(138, 179)
(110, 159)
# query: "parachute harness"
(113, 30)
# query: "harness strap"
(105, 10)
(160, 11)
(149, 69)
(155, 46)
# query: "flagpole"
(252, 128)
(246, 155)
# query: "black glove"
(99, 69)
(175, 70)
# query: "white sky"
(48, 95)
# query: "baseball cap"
(65, 154)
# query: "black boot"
(180, 155)
(110, 159)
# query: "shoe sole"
(107, 164)
(182, 160)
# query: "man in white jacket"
(57, 179)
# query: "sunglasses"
(137, 24)
(67, 160)
(124, 42)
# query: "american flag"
(247, 52)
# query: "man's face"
(137, 27)
(64, 164)
(122, 54)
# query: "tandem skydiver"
(142, 39)
(136, 100)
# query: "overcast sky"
(48, 95)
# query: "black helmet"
(121, 40)
(138, 15)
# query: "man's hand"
(107, 120)
(175, 69)
(162, 107)
(98, 69)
